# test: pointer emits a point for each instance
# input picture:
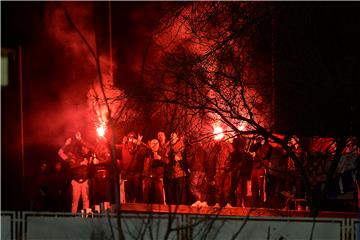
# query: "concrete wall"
(31, 225)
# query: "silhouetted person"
(101, 168)
(241, 165)
(153, 187)
(164, 153)
(294, 185)
(198, 166)
(262, 151)
(132, 153)
(276, 177)
(59, 189)
(220, 156)
(177, 181)
(42, 200)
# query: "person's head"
(261, 139)
(154, 145)
(58, 167)
(43, 167)
(294, 140)
(131, 141)
(131, 137)
(174, 138)
(161, 137)
(78, 135)
(239, 143)
(85, 150)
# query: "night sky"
(317, 74)
(318, 68)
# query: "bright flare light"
(101, 130)
(241, 127)
(218, 132)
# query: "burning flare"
(218, 132)
(101, 130)
(242, 127)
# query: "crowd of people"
(234, 172)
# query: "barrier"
(355, 226)
(96, 226)
(39, 225)
(272, 228)
(7, 226)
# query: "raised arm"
(61, 151)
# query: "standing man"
(198, 183)
(164, 153)
(77, 155)
(241, 165)
(276, 177)
(163, 144)
(102, 170)
(177, 181)
(41, 200)
(59, 189)
(294, 185)
(220, 156)
(262, 150)
(132, 152)
(153, 187)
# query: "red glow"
(218, 132)
(101, 130)
(242, 126)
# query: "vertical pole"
(273, 100)
(21, 119)
(110, 41)
(112, 127)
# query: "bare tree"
(108, 103)
(203, 77)
(205, 68)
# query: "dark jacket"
(242, 163)
(262, 154)
(79, 173)
(132, 158)
(152, 167)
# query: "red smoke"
(82, 99)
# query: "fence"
(36, 225)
